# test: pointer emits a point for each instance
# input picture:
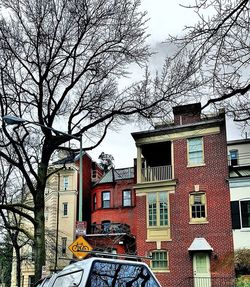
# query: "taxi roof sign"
(79, 247)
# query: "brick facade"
(209, 178)
(116, 214)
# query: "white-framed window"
(159, 260)
(127, 197)
(240, 213)
(158, 209)
(65, 208)
(65, 182)
(198, 208)
(106, 199)
(245, 213)
(195, 151)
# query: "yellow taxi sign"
(79, 247)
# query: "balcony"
(110, 228)
(156, 173)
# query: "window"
(245, 213)
(64, 245)
(157, 209)
(65, 182)
(233, 157)
(127, 197)
(195, 151)
(159, 260)
(240, 213)
(105, 199)
(65, 208)
(94, 202)
(197, 206)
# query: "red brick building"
(183, 200)
(113, 225)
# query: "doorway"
(201, 270)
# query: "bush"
(243, 282)
(242, 262)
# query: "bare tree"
(60, 62)
(214, 54)
(13, 212)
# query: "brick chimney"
(187, 114)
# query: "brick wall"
(212, 179)
(116, 213)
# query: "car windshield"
(106, 274)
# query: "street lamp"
(13, 120)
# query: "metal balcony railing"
(110, 228)
(157, 173)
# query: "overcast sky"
(166, 17)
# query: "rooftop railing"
(110, 228)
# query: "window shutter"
(235, 215)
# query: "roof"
(71, 158)
(200, 244)
(239, 141)
(117, 174)
(173, 128)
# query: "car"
(105, 272)
(43, 282)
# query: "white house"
(239, 182)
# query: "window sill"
(196, 165)
(199, 222)
(245, 229)
(155, 240)
(158, 227)
(160, 270)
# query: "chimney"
(187, 114)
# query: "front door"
(201, 270)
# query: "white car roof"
(87, 263)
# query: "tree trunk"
(39, 229)
(18, 265)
